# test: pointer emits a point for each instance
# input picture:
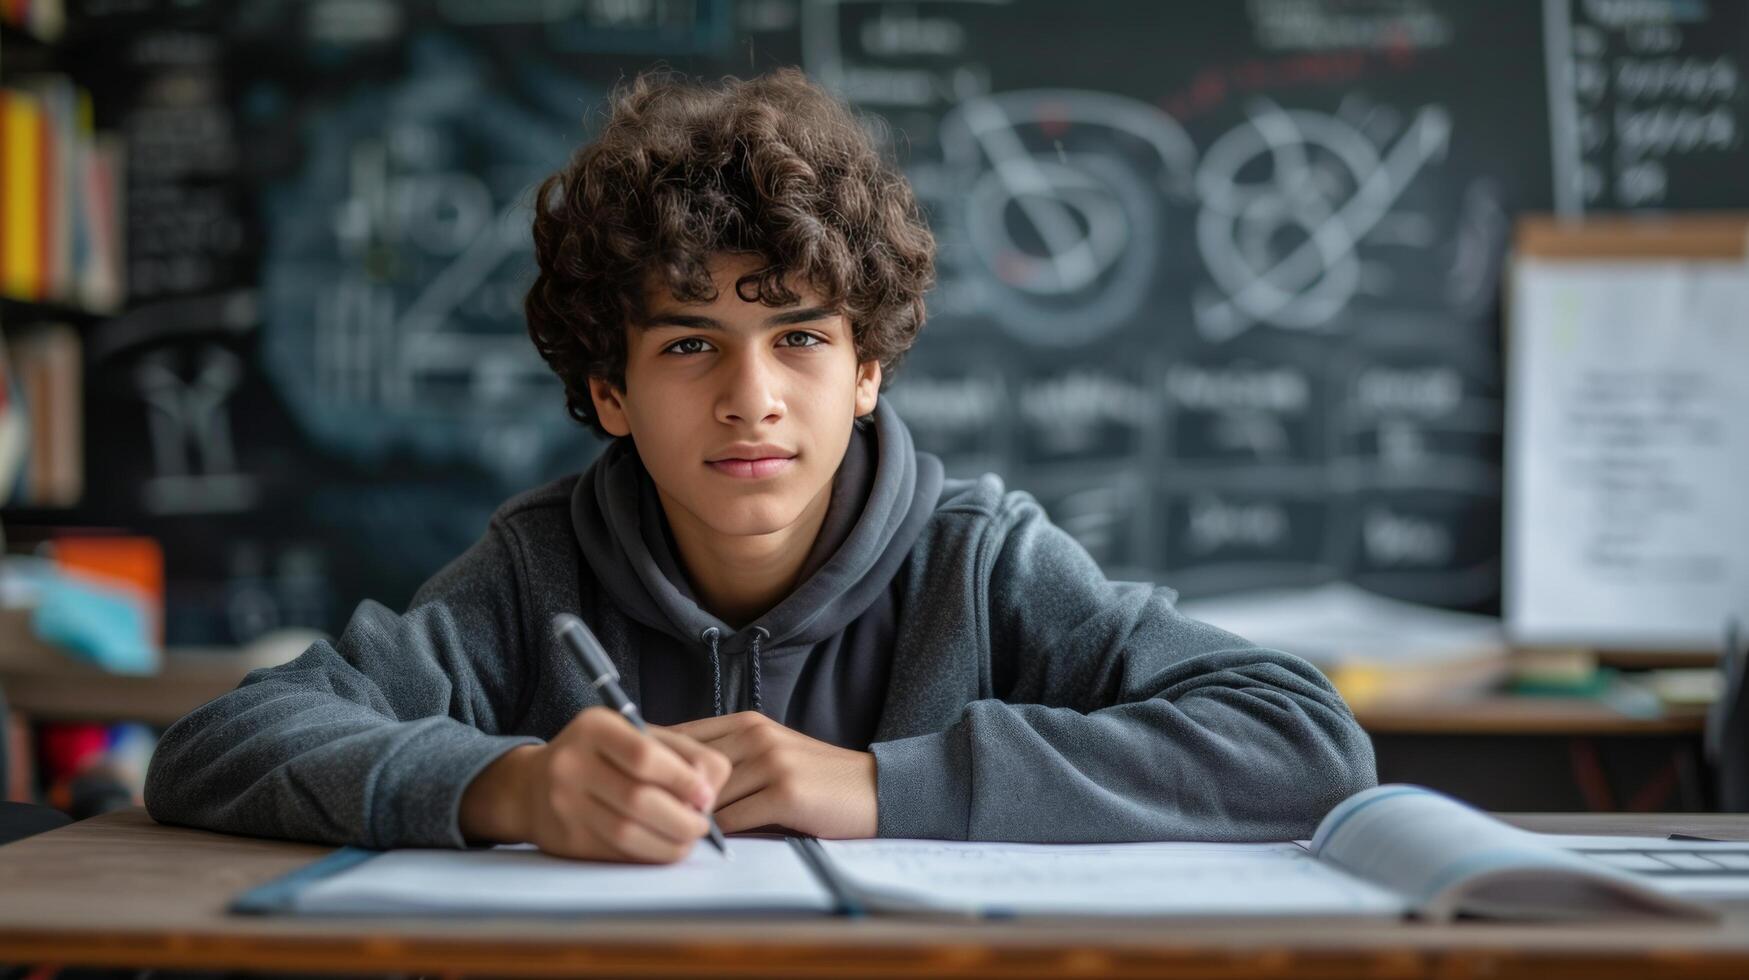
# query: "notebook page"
(1710, 869)
(1445, 856)
(766, 874)
(1103, 879)
(1414, 840)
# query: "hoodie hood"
(882, 496)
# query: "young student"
(826, 635)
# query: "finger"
(646, 803)
(575, 835)
(743, 746)
(581, 842)
(710, 763)
(634, 841)
(746, 779)
(710, 729)
(649, 760)
(760, 809)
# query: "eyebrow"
(804, 315)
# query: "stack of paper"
(1371, 647)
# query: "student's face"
(707, 383)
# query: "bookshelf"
(62, 241)
(13, 310)
(62, 274)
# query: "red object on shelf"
(66, 748)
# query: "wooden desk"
(120, 890)
(1513, 714)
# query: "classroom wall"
(1245, 334)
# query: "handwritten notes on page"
(1104, 879)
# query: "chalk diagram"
(395, 270)
(193, 454)
(1058, 195)
(606, 26)
(1286, 201)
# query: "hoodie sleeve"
(1117, 718)
(368, 740)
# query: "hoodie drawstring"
(759, 633)
(710, 635)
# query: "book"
(100, 260)
(21, 184)
(1387, 852)
(47, 362)
(14, 426)
(44, 20)
(60, 198)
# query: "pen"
(605, 679)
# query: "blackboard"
(1219, 282)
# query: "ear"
(610, 407)
(868, 386)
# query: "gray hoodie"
(1006, 688)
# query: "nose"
(750, 388)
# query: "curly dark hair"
(773, 167)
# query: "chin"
(759, 514)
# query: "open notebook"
(1384, 853)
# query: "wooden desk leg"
(1655, 794)
(1677, 778)
(1588, 773)
(1693, 787)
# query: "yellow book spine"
(22, 166)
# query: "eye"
(682, 346)
(807, 339)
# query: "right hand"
(602, 790)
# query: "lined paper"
(1106, 879)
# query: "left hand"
(780, 777)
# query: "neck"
(739, 577)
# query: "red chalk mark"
(1210, 87)
(1214, 86)
(1399, 49)
(1053, 119)
(1207, 90)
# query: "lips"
(753, 469)
(752, 460)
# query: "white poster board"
(1627, 455)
